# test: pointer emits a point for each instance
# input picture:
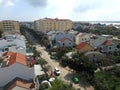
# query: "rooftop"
(81, 45)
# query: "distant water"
(105, 22)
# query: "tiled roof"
(107, 42)
(9, 53)
(19, 58)
(63, 39)
(81, 45)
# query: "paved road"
(66, 73)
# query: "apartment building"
(9, 26)
(48, 24)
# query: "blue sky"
(76, 10)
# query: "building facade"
(48, 24)
(9, 26)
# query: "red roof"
(9, 53)
(19, 58)
(107, 42)
(63, 39)
(81, 45)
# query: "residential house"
(97, 41)
(10, 58)
(84, 47)
(51, 36)
(19, 84)
(108, 47)
(14, 65)
(94, 55)
(9, 73)
(82, 37)
(64, 39)
(15, 43)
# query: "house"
(15, 43)
(64, 39)
(14, 65)
(51, 36)
(84, 47)
(108, 47)
(97, 41)
(94, 55)
(7, 74)
(10, 58)
(65, 42)
(82, 37)
(19, 84)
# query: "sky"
(76, 10)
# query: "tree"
(60, 85)
(107, 80)
(82, 64)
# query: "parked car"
(75, 79)
(51, 79)
(57, 71)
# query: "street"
(66, 73)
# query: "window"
(63, 44)
(110, 48)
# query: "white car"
(51, 79)
(57, 71)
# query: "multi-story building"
(47, 24)
(9, 26)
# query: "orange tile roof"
(81, 45)
(19, 58)
(107, 42)
(9, 53)
(63, 39)
(4, 56)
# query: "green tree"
(60, 85)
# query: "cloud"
(6, 3)
(37, 3)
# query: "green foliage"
(60, 51)
(41, 62)
(107, 80)
(60, 85)
(81, 64)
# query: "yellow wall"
(9, 26)
(86, 49)
(53, 24)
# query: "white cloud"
(6, 3)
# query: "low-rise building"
(64, 39)
(15, 43)
(108, 47)
(84, 47)
(82, 37)
(94, 55)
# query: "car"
(75, 79)
(51, 79)
(57, 71)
